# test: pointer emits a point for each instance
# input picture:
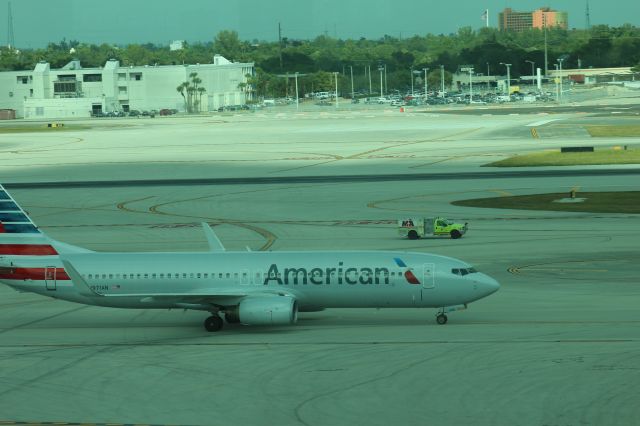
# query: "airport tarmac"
(557, 345)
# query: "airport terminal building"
(73, 91)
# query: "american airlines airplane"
(252, 288)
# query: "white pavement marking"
(543, 122)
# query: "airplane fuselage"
(315, 279)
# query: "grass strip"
(557, 158)
(42, 128)
(595, 202)
(604, 131)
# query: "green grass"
(604, 131)
(41, 127)
(596, 202)
(557, 158)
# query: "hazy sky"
(38, 22)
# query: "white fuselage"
(326, 279)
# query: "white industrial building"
(73, 91)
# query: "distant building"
(73, 91)
(552, 18)
(515, 21)
(510, 20)
(176, 45)
(589, 76)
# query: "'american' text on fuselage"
(321, 276)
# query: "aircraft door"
(428, 276)
(245, 277)
(50, 278)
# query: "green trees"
(227, 44)
(601, 46)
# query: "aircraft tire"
(441, 319)
(213, 323)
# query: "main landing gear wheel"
(441, 319)
(213, 323)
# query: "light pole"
(556, 81)
(470, 86)
(508, 78)
(412, 82)
(425, 84)
(488, 75)
(297, 97)
(532, 70)
(560, 62)
(369, 79)
(336, 78)
(352, 91)
(442, 80)
(381, 68)
(386, 86)
(295, 76)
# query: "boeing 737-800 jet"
(252, 288)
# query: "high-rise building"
(552, 18)
(508, 19)
(511, 20)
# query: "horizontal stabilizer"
(214, 242)
(80, 284)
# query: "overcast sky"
(38, 22)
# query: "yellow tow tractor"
(414, 228)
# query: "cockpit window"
(463, 271)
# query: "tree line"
(318, 59)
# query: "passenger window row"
(213, 275)
(182, 275)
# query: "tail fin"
(13, 220)
(19, 236)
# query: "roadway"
(558, 344)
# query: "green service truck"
(414, 228)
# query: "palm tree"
(201, 91)
(194, 93)
(190, 91)
(181, 88)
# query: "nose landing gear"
(441, 318)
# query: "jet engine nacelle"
(265, 310)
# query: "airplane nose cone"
(489, 285)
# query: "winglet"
(79, 283)
(212, 238)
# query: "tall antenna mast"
(10, 37)
(587, 16)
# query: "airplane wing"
(212, 238)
